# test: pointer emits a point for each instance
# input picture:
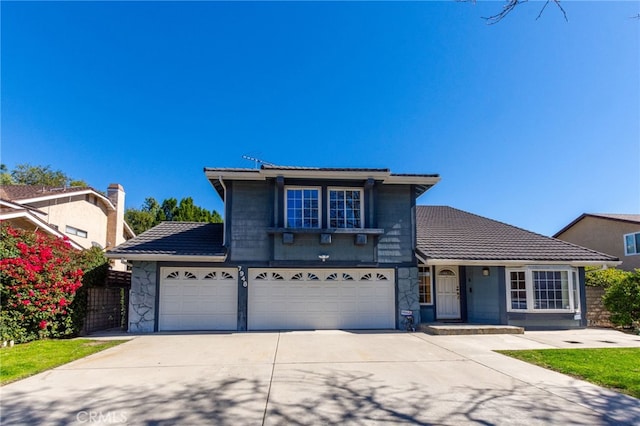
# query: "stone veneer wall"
(408, 295)
(597, 315)
(142, 299)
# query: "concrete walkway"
(320, 377)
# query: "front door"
(447, 294)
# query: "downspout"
(224, 209)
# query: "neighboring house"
(616, 234)
(477, 270)
(29, 219)
(82, 214)
(341, 248)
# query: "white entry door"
(447, 294)
(307, 299)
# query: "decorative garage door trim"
(198, 299)
(321, 299)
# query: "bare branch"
(512, 4)
(506, 9)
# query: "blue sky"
(531, 122)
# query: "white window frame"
(634, 242)
(572, 282)
(362, 207)
(425, 271)
(286, 205)
(75, 231)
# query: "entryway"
(447, 293)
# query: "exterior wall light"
(486, 271)
(323, 257)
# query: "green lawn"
(31, 358)
(615, 368)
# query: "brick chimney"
(115, 219)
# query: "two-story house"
(346, 248)
(84, 215)
(616, 234)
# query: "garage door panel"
(328, 299)
(198, 299)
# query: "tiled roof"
(631, 218)
(175, 239)
(625, 217)
(25, 192)
(447, 233)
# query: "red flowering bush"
(39, 277)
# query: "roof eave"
(48, 197)
(154, 257)
(518, 262)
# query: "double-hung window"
(632, 244)
(345, 208)
(543, 290)
(303, 207)
(425, 287)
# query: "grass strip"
(31, 358)
(614, 368)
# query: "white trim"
(57, 195)
(362, 205)
(165, 257)
(635, 245)
(309, 173)
(516, 263)
(573, 289)
(428, 273)
(286, 208)
(39, 225)
(72, 230)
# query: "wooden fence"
(107, 306)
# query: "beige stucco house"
(87, 217)
(614, 234)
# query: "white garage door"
(303, 299)
(198, 299)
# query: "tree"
(622, 299)
(5, 176)
(152, 213)
(26, 174)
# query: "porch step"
(463, 329)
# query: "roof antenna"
(257, 160)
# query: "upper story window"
(345, 208)
(543, 290)
(75, 231)
(632, 244)
(303, 207)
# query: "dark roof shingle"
(25, 192)
(176, 239)
(447, 233)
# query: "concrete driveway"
(320, 377)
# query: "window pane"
(344, 209)
(302, 208)
(518, 290)
(425, 286)
(551, 290)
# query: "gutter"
(166, 257)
